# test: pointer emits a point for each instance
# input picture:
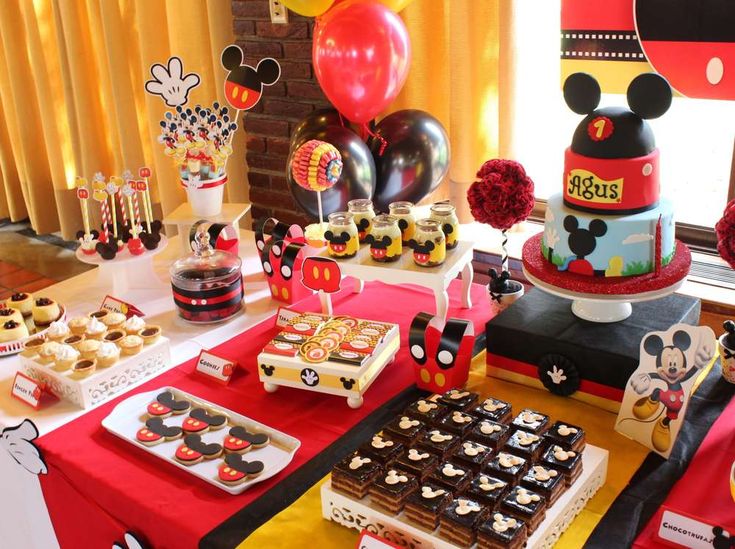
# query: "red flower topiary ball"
(502, 195)
(725, 230)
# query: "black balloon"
(358, 171)
(317, 121)
(415, 160)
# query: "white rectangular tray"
(360, 514)
(130, 415)
(104, 383)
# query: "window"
(695, 136)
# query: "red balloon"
(361, 57)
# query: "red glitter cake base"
(540, 268)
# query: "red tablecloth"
(99, 486)
(704, 490)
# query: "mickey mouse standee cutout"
(244, 84)
(657, 394)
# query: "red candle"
(657, 268)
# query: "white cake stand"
(602, 308)
(126, 270)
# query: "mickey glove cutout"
(170, 83)
(641, 383)
(704, 354)
(244, 84)
(18, 441)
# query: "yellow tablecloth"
(302, 524)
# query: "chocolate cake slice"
(405, 429)
(354, 474)
(525, 444)
(531, 421)
(502, 532)
(451, 476)
(494, 410)
(569, 437)
(438, 442)
(425, 505)
(472, 455)
(545, 481)
(490, 433)
(426, 410)
(391, 488)
(525, 505)
(507, 467)
(487, 490)
(567, 462)
(417, 462)
(457, 422)
(459, 399)
(381, 448)
(459, 521)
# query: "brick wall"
(270, 123)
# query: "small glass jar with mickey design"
(446, 215)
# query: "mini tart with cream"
(113, 321)
(58, 331)
(131, 344)
(46, 355)
(8, 313)
(65, 357)
(21, 301)
(78, 325)
(134, 325)
(11, 330)
(107, 354)
(150, 334)
(45, 311)
(95, 329)
(89, 348)
(83, 367)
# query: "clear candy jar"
(429, 244)
(207, 284)
(385, 239)
(406, 221)
(363, 213)
(341, 235)
(446, 215)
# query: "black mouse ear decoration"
(232, 57)
(649, 95)
(269, 71)
(582, 92)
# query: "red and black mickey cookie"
(236, 470)
(195, 450)
(166, 404)
(156, 432)
(201, 421)
(239, 440)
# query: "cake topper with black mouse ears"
(171, 83)
(616, 132)
(244, 84)
(498, 282)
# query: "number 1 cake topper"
(244, 84)
(170, 83)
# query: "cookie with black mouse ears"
(166, 405)
(236, 470)
(200, 421)
(240, 440)
(155, 432)
(195, 450)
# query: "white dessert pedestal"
(184, 217)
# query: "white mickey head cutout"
(417, 351)
(437, 436)
(472, 450)
(492, 405)
(524, 497)
(425, 407)
(170, 83)
(394, 478)
(565, 430)
(429, 493)
(526, 439)
(357, 462)
(407, 423)
(415, 455)
(542, 474)
(445, 357)
(487, 428)
(466, 506)
(486, 485)
(508, 460)
(449, 470)
(459, 417)
(561, 454)
(379, 442)
(502, 524)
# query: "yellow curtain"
(460, 49)
(72, 100)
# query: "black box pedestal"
(539, 332)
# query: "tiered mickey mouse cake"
(610, 219)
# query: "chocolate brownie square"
(459, 521)
(426, 410)
(502, 532)
(487, 490)
(531, 421)
(472, 455)
(507, 467)
(457, 422)
(524, 444)
(525, 505)
(438, 442)
(425, 505)
(404, 429)
(354, 474)
(381, 448)
(459, 399)
(391, 488)
(451, 476)
(545, 481)
(569, 437)
(491, 434)
(494, 410)
(567, 462)
(417, 462)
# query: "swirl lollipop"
(316, 166)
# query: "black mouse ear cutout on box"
(417, 337)
(681, 340)
(232, 57)
(450, 342)
(290, 255)
(649, 95)
(582, 92)
(269, 71)
(653, 345)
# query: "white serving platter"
(361, 515)
(130, 415)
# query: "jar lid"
(360, 205)
(204, 264)
(340, 218)
(385, 220)
(442, 208)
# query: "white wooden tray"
(130, 415)
(360, 515)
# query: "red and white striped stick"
(136, 209)
(105, 207)
(121, 201)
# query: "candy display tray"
(361, 515)
(103, 383)
(130, 415)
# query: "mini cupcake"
(131, 345)
(12, 330)
(45, 311)
(78, 325)
(114, 321)
(82, 368)
(150, 334)
(21, 301)
(89, 348)
(47, 353)
(74, 340)
(114, 336)
(107, 354)
(99, 315)
(95, 329)
(9, 313)
(65, 357)
(58, 331)
(134, 325)
(32, 347)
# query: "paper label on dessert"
(368, 540)
(284, 315)
(685, 531)
(586, 186)
(116, 305)
(220, 368)
(27, 390)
